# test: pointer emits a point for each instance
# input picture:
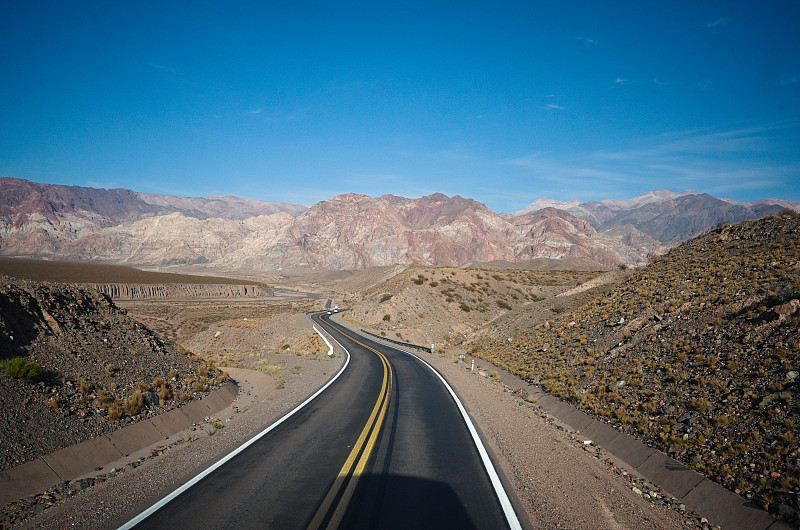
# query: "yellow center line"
(373, 423)
(362, 463)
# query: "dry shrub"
(103, 398)
(165, 394)
(134, 403)
(114, 412)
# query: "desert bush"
(20, 368)
(503, 305)
(114, 412)
(387, 317)
(386, 297)
(103, 398)
(133, 404)
(165, 394)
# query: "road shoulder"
(161, 468)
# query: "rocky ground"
(194, 325)
(446, 306)
(581, 489)
(697, 354)
(74, 366)
(559, 481)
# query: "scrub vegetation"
(697, 354)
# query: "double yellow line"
(357, 459)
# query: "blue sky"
(503, 102)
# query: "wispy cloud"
(620, 81)
(553, 106)
(162, 67)
(712, 161)
(717, 23)
(109, 184)
(589, 43)
(792, 79)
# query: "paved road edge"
(200, 476)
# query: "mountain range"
(350, 231)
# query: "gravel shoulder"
(556, 481)
(149, 475)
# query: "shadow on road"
(393, 501)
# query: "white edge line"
(330, 348)
(502, 496)
(163, 502)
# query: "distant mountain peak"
(540, 204)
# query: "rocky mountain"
(350, 231)
(222, 207)
(667, 217)
(173, 239)
(356, 231)
(37, 219)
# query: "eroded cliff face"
(180, 291)
(173, 239)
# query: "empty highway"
(384, 446)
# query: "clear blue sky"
(503, 102)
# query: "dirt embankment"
(74, 366)
(180, 291)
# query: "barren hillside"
(73, 366)
(444, 305)
(698, 354)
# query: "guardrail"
(407, 344)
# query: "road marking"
(362, 463)
(163, 502)
(372, 428)
(502, 496)
(330, 347)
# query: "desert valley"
(672, 317)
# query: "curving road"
(384, 446)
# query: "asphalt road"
(384, 446)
